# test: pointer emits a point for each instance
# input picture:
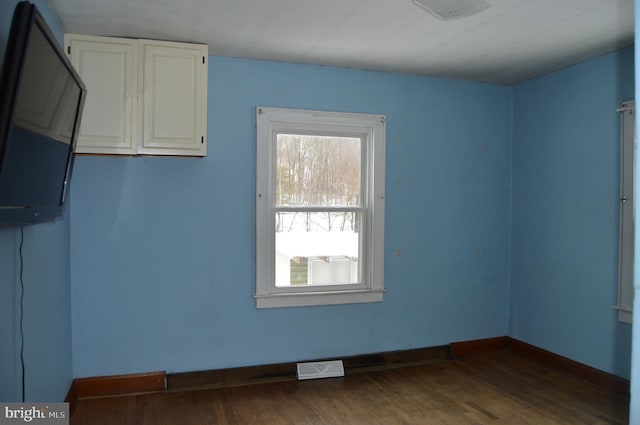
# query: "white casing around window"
(371, 129)
(627, 207)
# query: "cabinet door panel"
(108, 69)
(174, 99)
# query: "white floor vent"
(315, 370)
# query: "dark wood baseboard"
(72, 398)
(613, 383)
(223, 378)
(396, 359)
(105, 386)
(465, 348)
(184, 381)
(159, 381)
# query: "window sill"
(317, 298)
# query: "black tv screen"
(41, 100)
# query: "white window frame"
(627, 207)
(371, 129)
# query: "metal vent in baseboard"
(315, 370)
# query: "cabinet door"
(108, 67)
(174, 98)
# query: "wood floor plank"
(492, 388)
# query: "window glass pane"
(317, 248)
(317, 170)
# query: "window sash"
(363, 282)
(325, 133)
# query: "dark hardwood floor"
(491, 388)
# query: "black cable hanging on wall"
(22, 311)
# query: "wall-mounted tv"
(41, 101)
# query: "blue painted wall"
(162, 249)
(47, 300)
(9, 350)
(565, 212)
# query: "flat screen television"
(41, 101)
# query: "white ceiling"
(512, 41)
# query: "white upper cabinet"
(108, 67)
(143, 96)
(174, 98)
